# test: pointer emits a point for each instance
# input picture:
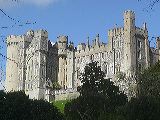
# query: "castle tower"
(13, 63)
(70, 68)
(36, 61)
(62, 54)
(129, 42)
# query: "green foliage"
(142, 108)
(88, 107)
(100, 99)
(91, 79)
(149, 81)
(60, 104)
(97, 95)
(17, 106)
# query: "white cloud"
(13, 3)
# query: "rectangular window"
(139, 44)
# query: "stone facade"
(35, 63)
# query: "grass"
(60, 104)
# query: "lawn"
(60, 104)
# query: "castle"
(34, 63)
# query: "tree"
(42, 110)
(91, 79)
(97, 95)
(17, 106)
(149, 81)
(142, 108)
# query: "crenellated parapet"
(15, 39)
(141, 32)
(41, 33)
(62, 45)
(87, 49)
(116, 31)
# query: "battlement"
(86, 49)
(41, 32)
(140, 31)
(62, 39)
(116, 31)
(15, 38)
(30, 33)
(129, 12)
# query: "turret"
(36, 61)
(13, 62)
(129, 42)
(62, 45)
(129, 20)
(62, 53)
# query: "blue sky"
(76, 18)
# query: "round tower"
(62, 54)
(12, 63)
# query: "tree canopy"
(149, 81)
(17, 106)
(97, 96)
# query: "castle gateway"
(35, 63)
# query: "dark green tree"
(149, 81)
(17, 106)
(142, 108)
(42, 110)
(97, 96)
